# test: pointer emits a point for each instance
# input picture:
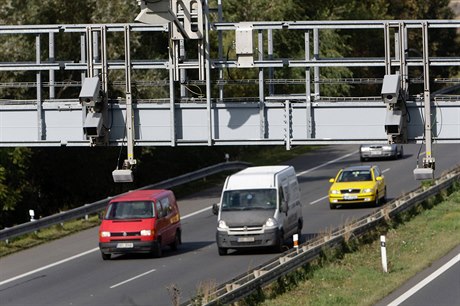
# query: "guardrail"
(95, 207)
(243, 285)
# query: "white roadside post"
(296, 241)
(383, 250)
(32, 215)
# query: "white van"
(259, 207)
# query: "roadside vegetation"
(45, 235)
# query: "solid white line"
(132, 278)
(386, 170)
(426, 281)
(48, 266)
(196, 212)
(325, 164)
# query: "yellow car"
(358, 185)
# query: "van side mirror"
(215, 208)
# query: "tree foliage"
(14, 181)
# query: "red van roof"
(140, 195)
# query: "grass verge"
(46, 235)
(353, 275)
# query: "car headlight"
(271, 223)
(386, 148)
(222, 224)
(368, 190)
(146, 233)
(105, 234)
(333, 191)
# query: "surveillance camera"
(90, 91)
(93, 124)
(393, 122)
(390, 88)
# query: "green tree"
(14, 182)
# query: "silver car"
(368, 151)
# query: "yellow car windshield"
(355, 176)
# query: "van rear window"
(130, 210)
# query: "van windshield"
(249, 199)
(130, 210)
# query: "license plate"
(124, 245)
(246, 239)
(350, 197)
(376, 153)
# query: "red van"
(141, 221)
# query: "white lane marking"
(76, 256)
(48, 266)
(132, 278)
(319, 200)
(386, 170)
(196, 212)
(325, 164)
(425, 281)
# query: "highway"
(70, 271)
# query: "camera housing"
(93, 125)
(393, 122)
(90, 92)
(390, 88)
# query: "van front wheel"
(157, 249)
(106, 256)
(279, 243)
(176, 241)
(222, 251)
